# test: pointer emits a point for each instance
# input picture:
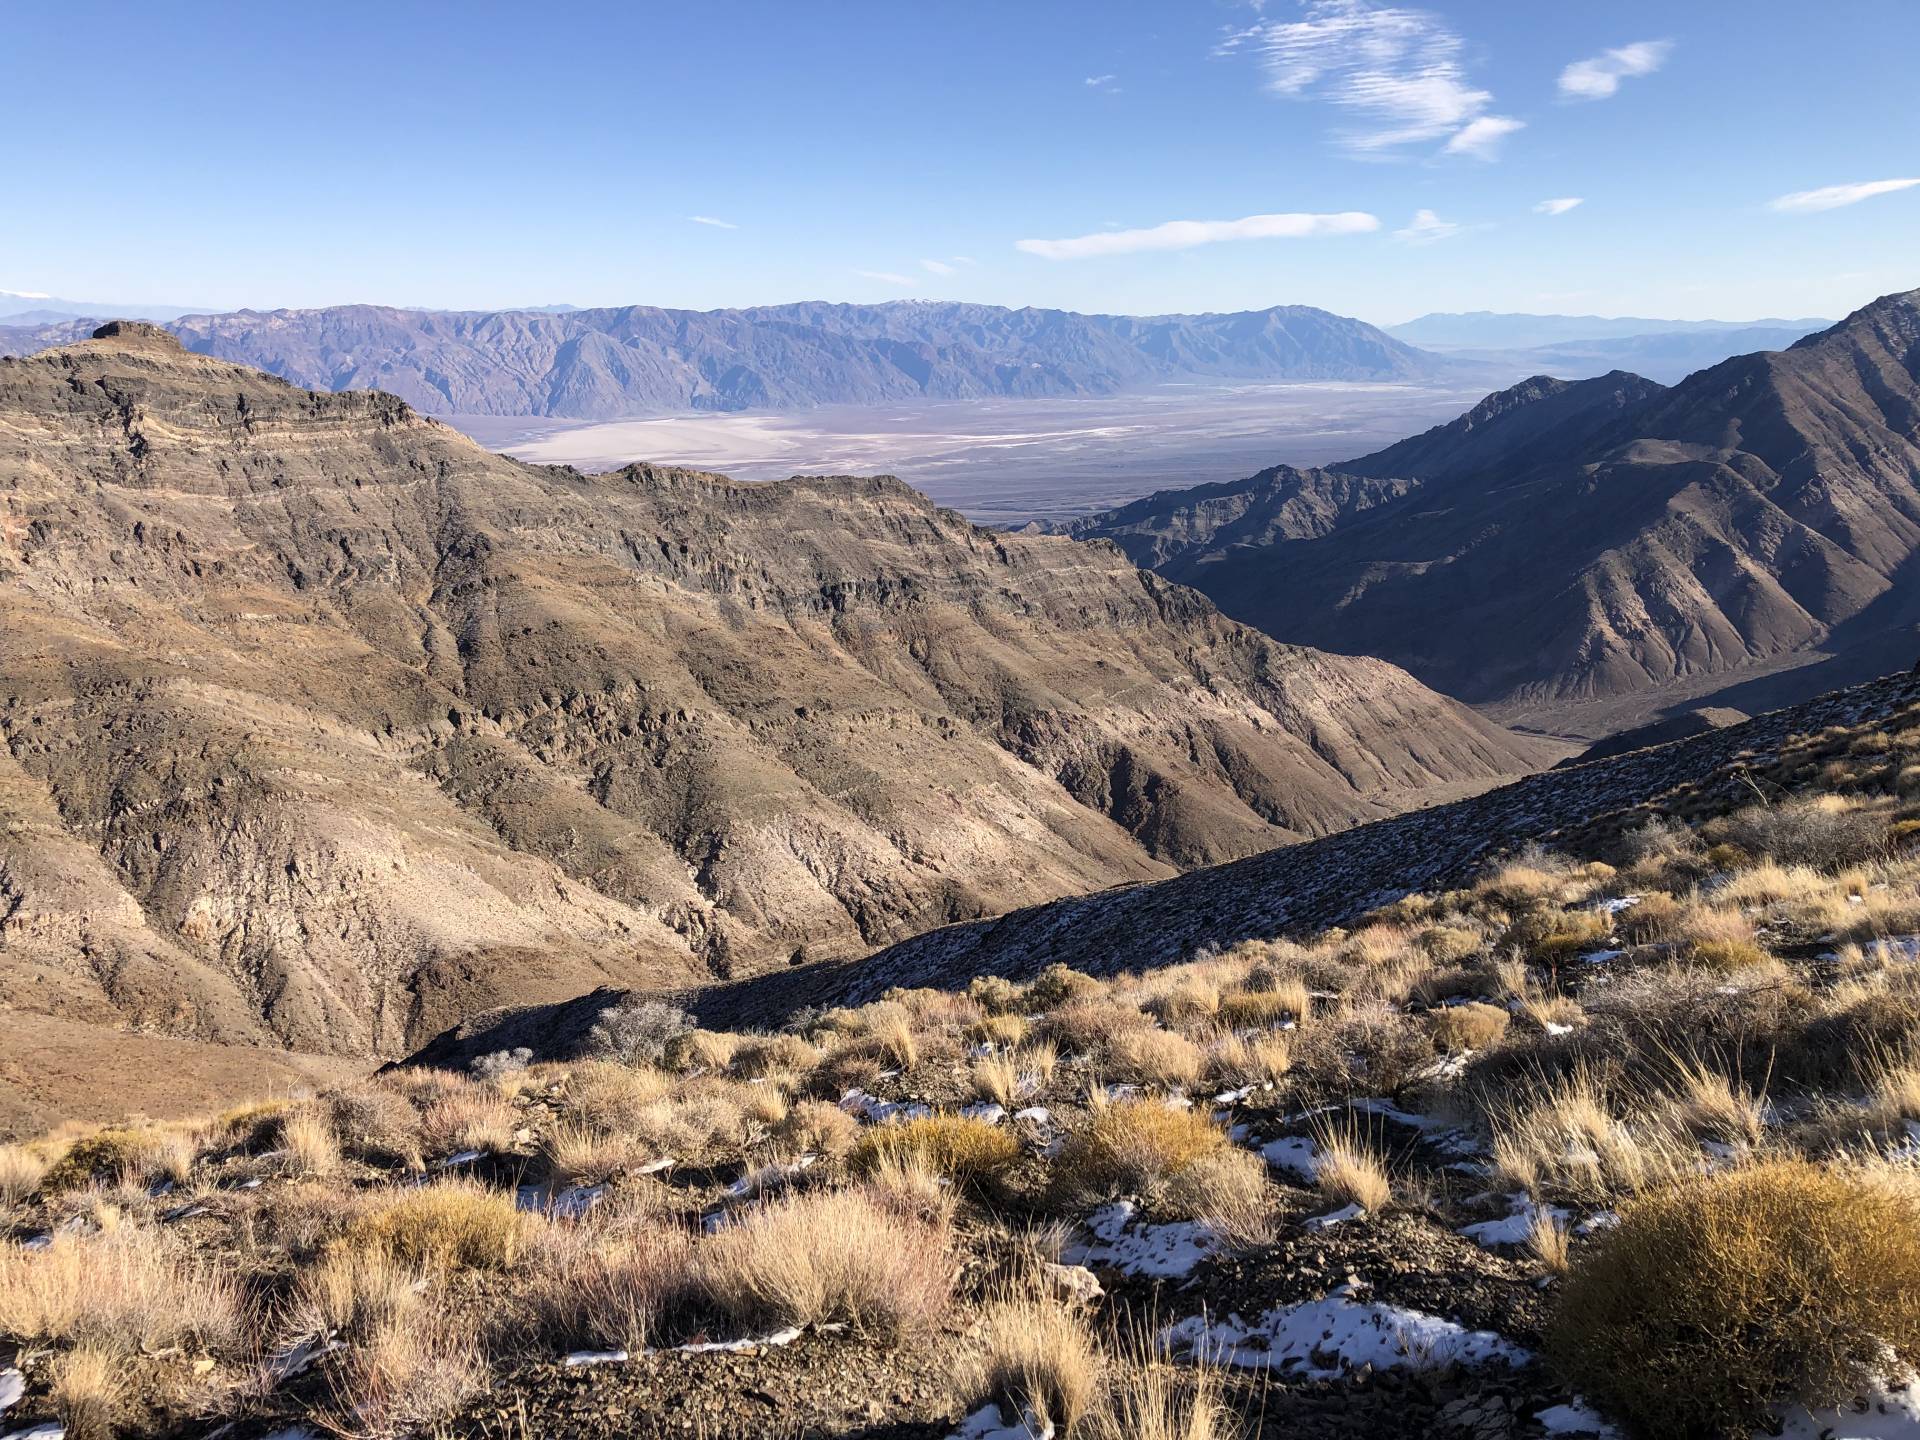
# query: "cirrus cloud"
(1398, 71)
(1832, 197)
(714, 221)
(1186, 234)
(1558, 207)
(1599, 77)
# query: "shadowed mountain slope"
(324, 727)
(1562, 544)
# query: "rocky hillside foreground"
(1618, 1138)
(324, 728)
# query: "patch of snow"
(462, 1157)
(1600, 957)
(654, 1167)
(1575, 1418)
(1161, 1251)
(1234, 1097)
(1295, 1154)
(984, 1110)
(570, 1204)
(595, 1357)
(1345, 1213)
(297, 1359)
(1554, 1027)
(1514, 1229)
(1035, 1115)
(987, 1423)
(1615, 906)
(1326, 1337)
(770, 1177)
(737, 1347)
(1596, 1222)
(876, 1111)
(12, 1386)
(38, 1242)
(1889, 1414)
(49, 1430)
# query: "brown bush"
(1472, 1026)
(1133, 1145)
(966, 1151)
(1720, 1296)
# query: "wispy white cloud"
(1426, 228)
(27, 294)
(711, 220)
(887, 277)
(936, 267)
(1832, 197)
(1481, 138)
(1558, 207)
(1185, 234)
(1599, 77)
(1103, 82)
(1398, 70)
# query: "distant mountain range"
(19, 309)
(605, 364)
(1563, 543)
(1579, 346)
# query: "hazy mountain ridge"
(325, 727)
(1562, 543)
(609, 363)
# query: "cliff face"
(324, 727)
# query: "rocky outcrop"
(324, 727)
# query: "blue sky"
(483, 155)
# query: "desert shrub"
(110, 1155)
(767, 1055)
(1093, 1026)
(449, 1225)
(1258, 1009)
(1056, 985)
(995, 994)
(1232, 1061)
(1472, 1026)
(1191, 998)
(582, 1154)
(1563, 1137)
(966, 1151)
(1372, 1051)
(1824, 832)
(1002, 1031)
(615, 1098)
(819, 1128)
(637, 1032)
(1347, 1170)
(1656, 917)
(1720, 1296)
(498, 1064)
(472, 1119)
(374, 1124)
(1553, 937)
(1450, 944)
(709, 1050)
(826, 1257)
(996, 1078)
(1039, 1355)
(306, 1134)
(1724, 955)
(891, 1028)
(1135, 1145)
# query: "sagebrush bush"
(1720, 1296)
(1472, 1026)
(637, 1032)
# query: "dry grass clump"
(1824, 832)
(1227, 1189)
(1554, 937)
(1717, 1297)
(375, 1124)
(591, 1293)
(1548, 1242)
(827, 1257)
(1263, 1060)
(967, 1151)
(1133, 1145)
(612, 1097)
(1039, 1356)
(306, 1134)
(475, 1118)
(1562, 1137)
(1347, 1170)
(580, 1154)
(1472, 1026)
(449, 1225)
(127, 1289)
(1450, 944)
(1193, 997)
(1002, 1031)
(770, 1055)
(1261, 1009)
(1093, 1027)
(120, 1155)
(1149, 1399)
(996, 1078)
(1156, 1057)
(21, 1172)
(89, 1389)
(1059, 985)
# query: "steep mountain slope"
(324, 727)
(1293, 891)
(1561, 545)
(600, 364)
